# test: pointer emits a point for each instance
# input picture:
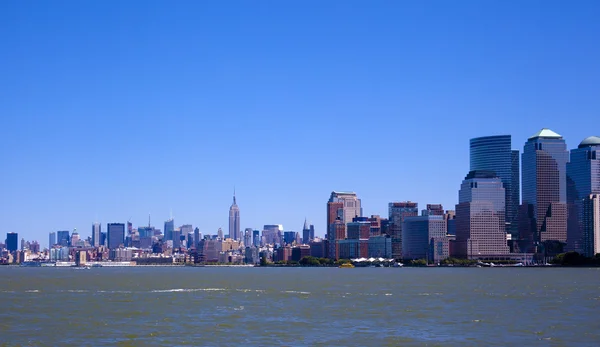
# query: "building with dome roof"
(583, 180)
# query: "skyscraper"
(196, 237)
(494, 153)
(583, 180)
(397, 212)
(115, 234)
(306, 233)
(545, 158)
(169, 227)
(591, 225)
(96, 231)
(52, 239)
(12, 242)
(480, 228)
(343, 207)
(63, 238)
(234, 220)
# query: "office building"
(197, 237)
(359, 229)
(289, 237)
(433, 210)
(169, 228)
(234, 220)
(424, 237)
(583, 180)
(495, 154)
(63, 238)
(115, 235)
(380, 246)
(96, 231)
(480, 228)
(545, 158)
(300, 252)
(272, 234)
(256, 238)
(12, 242)
(52, 239)
(591, 225)
(248, 237)
(308, 232)
(397, 212)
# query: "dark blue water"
(299, 306)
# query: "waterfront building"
(359, 229)
(251, 255)
(480, 228)
(234, 220)
(545, 158)
(169, 228)
(318, 248)
(96, 231)
(337, 232)
(115, 235)
(343, 207)
(380, 246)
(12, 242)
(62, 238)
(424, 237)
(397, 212)
(583, 180)
(283, 254)
(591, 225)
(300, 252)
(52, 239)
(495, 153)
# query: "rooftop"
(590, 141)
(547, 134)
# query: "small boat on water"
(346, 266)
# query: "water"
(299, 306)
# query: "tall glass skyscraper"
(480, 225)
(583, 180)
(169, 228)
(545, 158)
(115, 235)
(495, 153)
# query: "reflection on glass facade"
(494, 153)
(480, 227)
(583, 180)
(545, 158)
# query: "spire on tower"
(234, 195)
(305, 224)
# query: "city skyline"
(109, 120)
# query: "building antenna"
(148, 219)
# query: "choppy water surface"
(299, 306)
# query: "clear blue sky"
(112, 110)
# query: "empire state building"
(234, 220)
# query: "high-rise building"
(220, 233)
(433, 210)
(63, 238)
(169, 228)
(115, 235)
(248, 237)
(289, 237)
(424, 237)
(591, 225)
(96, 231)
(545, 158)
(256, 238)
(480, 228)
(12, 242)
(494, 153)
(342, 207)
(52, 239)
(307, 233)
(197, 237)
(397, 212)
(583, 180)
(177, 238)
(234, 220)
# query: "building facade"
(480, 227)
(169, 228)
(591, 225)
(96, 231)
(397, 212)
(424, 237)
(52, 239)
(234, 220)
(545, 158)
(495, 153)
(12, 242)
(115, 235)
(583, 180)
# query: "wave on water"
(176, 290)
(32, 291)
(295, 292)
